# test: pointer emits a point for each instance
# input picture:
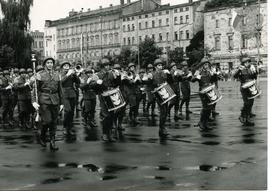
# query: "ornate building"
(38, 42)
(230, 32)
(92, 34)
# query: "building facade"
(38, 42)
(230, 32)
(50, 41)
(89, 35)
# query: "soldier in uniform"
(245, 73)
(185, 88)
(108, 80)
(205, 78)
(131, 83)
(50, 101)
(160, 76)
(142, 87)
(29, 72)
(151, 100)
(174, 81)
(89, 97)
(6, 98)
(70, 81)
(23, 89)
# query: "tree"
(149, 52)
(176, 55)
(13, 30)
(195, 50)
(126, 56)
(226, 3)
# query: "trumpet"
(78, 70)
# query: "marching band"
(43, 93)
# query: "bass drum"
(164, 93)
(211, 94)
(113, 99)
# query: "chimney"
(111, 5)
(122, 2)
(128, 1)
(100, 7)
(88, 9)
(81, 10)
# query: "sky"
(54, 9)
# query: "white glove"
(36, 105)
(137, 78)
(8, 87)
(99, 82)
(69, 72)
(166, 71)
(61, 108)
(252, 68)
(27, 83)
(189, 74)
(199, 77)
(89, 80)
(218, 72)
(150, 76)
(116, 72)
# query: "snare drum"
(211, 94)
(113, 99)
(164, 93)
(251, 89)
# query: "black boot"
(53, 147)
(163, 132)
(42, 137)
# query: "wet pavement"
(230, 156)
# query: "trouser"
(134, 102)
(247, 107)
(143, 99)
(175, 103)
(205, 112)
(118, 117)
(89, 109)
(185, 101)
(107, 118)
(69, 107)
(48, 114)
(7, 110)
(163, 115)
(151, 102)
(25, 109)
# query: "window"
(181, 19)
(167, 21)
(146, 24)
(175, 20)
(153, 14)
(181, 35)
(128, 27)
(187, 8)
(175, 35)
(132, 18)
(160, 22)
(129, 42)
(160, 37)
(167, 12)
(167, 36)
(187, 18)
(140, 16)
(153, 24)
(244, 41)
(187, 34)
(175, 10)
(128, 19)
(244, 21)
(133, 27)
(230, 42)
(124, 19)
(140, 38)
(160, 13)
(153, 36)
(140, 26)
(124, 27)
(230, 22)
(217, 42)
(145, 16)
(133, 40)
(181, 9)
(217, 23)
(124, 41)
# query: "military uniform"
(6, 98)
(89, 97)
(107, 81)
(160, 77)
(50, 96)
(151, 99)
(23, 89)
(69, 83)
(246, 74)
(205, 79)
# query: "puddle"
(116, 168)
(108, 177)
(155, 177)
(163, 168)
(55, 180)
(208, 135)
(210, 143)
(210, 168)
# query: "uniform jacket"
(23, 92)
(4, 82)
(69, 85)
(49, 88)
(87, 89)
(206, 80)
(159, 77)
(245, 75)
